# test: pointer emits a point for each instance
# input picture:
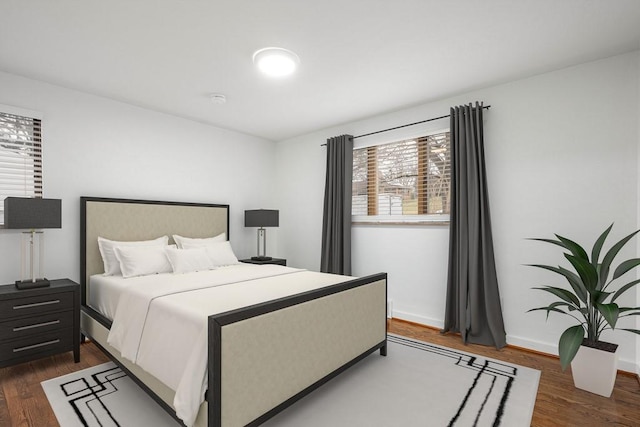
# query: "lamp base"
(30, 284)
(261, 258)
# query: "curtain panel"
(473, 306)
(336, 223)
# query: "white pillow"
(220, 253)
(142, 260)
(180, 240)
(111, 264)
(188, 260)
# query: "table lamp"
(32, 214)
(261, 218)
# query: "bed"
(261, 355)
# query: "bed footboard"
(265, 357)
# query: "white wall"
(562, 157)
(94, 146)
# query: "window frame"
(37, 171)
(402, 220)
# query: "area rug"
(420, 384)
(417, 384)
(103, 396)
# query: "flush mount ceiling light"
(276, 61)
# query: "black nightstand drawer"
(36, 345)
(35, 304)
(19, 328)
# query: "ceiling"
(359, 58)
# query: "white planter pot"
(595, 370)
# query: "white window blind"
(20, 157)
(405, 180)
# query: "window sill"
(401, 223)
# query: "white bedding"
(160, 321)
(104, 292)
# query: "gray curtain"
(473, 300)
(336, 223)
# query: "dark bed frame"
(352, 291)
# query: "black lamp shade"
(261, 218)
(32, 213)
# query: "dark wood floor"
(23, 403)
(22, 400)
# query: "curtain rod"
(410, 124)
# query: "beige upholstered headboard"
(128, 220)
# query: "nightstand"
(36, 323)
(278, 261)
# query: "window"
(404, 181)
(20, 157)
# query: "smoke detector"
(218, 98)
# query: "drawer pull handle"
(37, 325)
(36, 304)
(29, 347)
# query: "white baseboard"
(410, 317)
(529, 344)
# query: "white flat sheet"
(104, 292)
(160, 322)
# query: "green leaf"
(562, 294)
(608, 258)
(637, 313)
(586, 271)
(599, 296)
(573, 279)
(554, 307)
(625, 266)
(635, 331)
(546, 267)
(576, 283)
(569, 343)
(624, 289)
(629, 311)
(575, 248)
(553, 242)
(597, 247)
(610, 312)
(548, 310)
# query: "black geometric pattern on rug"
(501, 377)
(86, 397)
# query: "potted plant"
(590, 299)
